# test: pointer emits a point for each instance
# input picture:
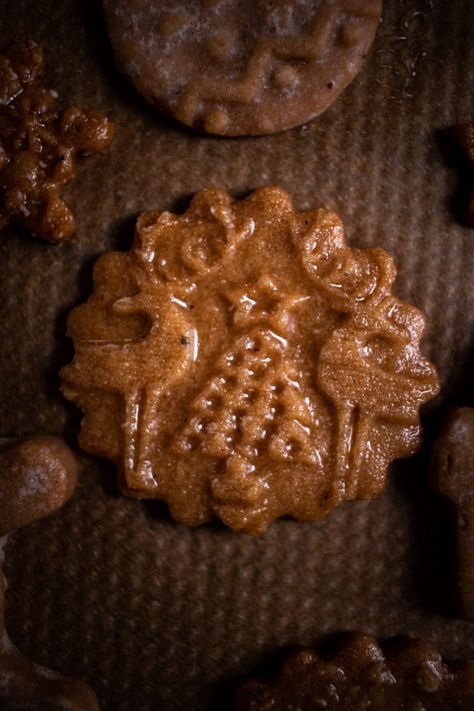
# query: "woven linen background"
(159, 616)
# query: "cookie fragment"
(362, 674)
(37, 476)
(241, 67)
(242, 362)
(453, 477)
(39, 145)
(463, 134)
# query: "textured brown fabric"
(156, 615)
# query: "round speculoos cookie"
(241, 68)
(242, 362)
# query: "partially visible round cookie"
(241, 68)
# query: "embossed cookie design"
(241, 68)
(362, 674)
(242, 362)
(37, 477)
(39, 146)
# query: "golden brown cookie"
(37, 476)
(453, 477)
(241, 68)
(242, 362)
(39, 145)
(362, 674)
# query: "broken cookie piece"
(241, 361)
(37, 476)
(453, 477)
(39, 145)
(243, 67)
(362, 674)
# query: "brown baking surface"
(156, 615)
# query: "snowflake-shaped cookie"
(361, 673)
(39, 146)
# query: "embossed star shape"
(264, 302)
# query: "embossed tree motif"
(242, 362)
(254, 402)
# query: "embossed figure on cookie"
(37, 476)
(371, 353)
(39, 145)
(130, 366)
(363, 674)
(241, 361)
(168, 348)
(244, 67)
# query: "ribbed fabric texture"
(158, 616)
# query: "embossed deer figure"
(144, 368)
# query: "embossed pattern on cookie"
(241, 68)
(242, 362)
(363, 674)
(39, 145)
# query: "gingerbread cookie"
(37, 476)
(242, 362)
(362, 674)
(39, 145)
(453, 476)
(241, 68)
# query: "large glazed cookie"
(241, 68)
(241, 361)
(362, 674)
